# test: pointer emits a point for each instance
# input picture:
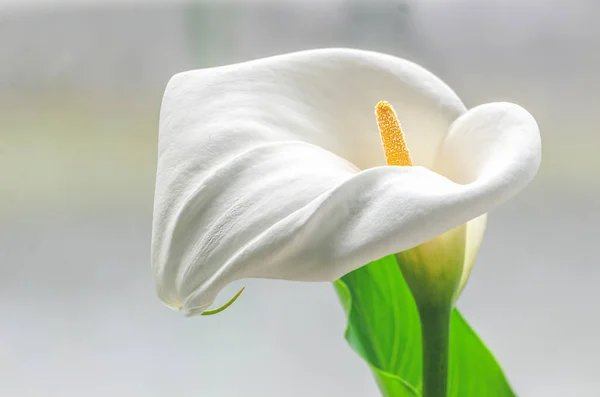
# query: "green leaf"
(384, 329)
(473, 369)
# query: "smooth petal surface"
(259, 169)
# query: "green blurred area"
(65, 153)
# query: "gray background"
(80, 88)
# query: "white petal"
(238, 194)
(323, 97)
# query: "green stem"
(435, 330)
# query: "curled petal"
(258, 177)
(497, 142)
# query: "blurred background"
(80, 90)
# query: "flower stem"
(435, 331)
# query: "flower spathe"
(273, 168)
(434, 269)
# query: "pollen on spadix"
(392, 138)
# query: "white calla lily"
(274, 168)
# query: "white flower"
(274, 168)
